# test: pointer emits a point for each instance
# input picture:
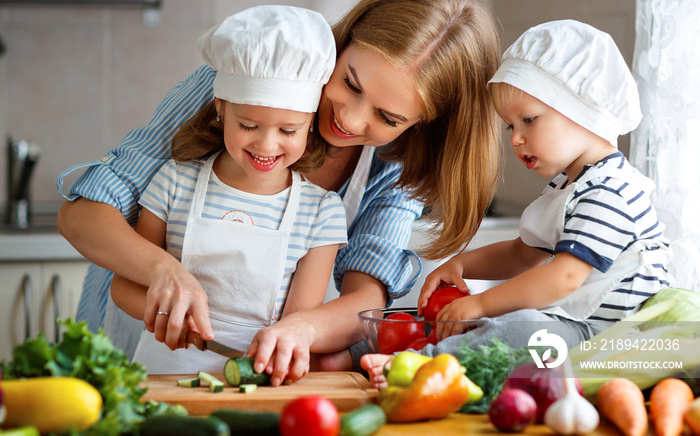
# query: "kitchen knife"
(196, 340)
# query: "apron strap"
(292, 204)
(200, 189)
(358, 184)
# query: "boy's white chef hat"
(577, 70)
(274, 56)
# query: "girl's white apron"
(123, 329)
(227, 258)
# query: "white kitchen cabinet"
(33, 295)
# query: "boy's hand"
(447, 274)
(466, 308)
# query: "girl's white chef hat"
(577, 70)
(273, 56)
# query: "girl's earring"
(311, 130)
(218, 117)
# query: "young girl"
(591, 248)
(259, 239)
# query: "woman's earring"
(311, 130)
(218, 118)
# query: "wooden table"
(347, 390)
(460, 424)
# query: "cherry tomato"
(396, 336)
(439, 299)
(309, 416)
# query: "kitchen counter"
(41, 241)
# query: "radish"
(512, 410)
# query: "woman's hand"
(176, 292)
(282, 349)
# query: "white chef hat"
(273, 56)
(577, 70)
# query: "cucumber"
(189, 382)
(245, 422)
(239, 371)
(215, 385)
(247, 388)
(174, 425)
(364, 421)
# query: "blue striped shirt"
(607, 216)
(377, 238)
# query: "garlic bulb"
(572, 413)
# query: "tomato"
(420, 343)
(396, 336)
(439, 299)
(310, 416)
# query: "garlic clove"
(572, 414)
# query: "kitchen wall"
(615, 17)
(76, 79)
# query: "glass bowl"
(391, 330)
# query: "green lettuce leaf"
(91, 357)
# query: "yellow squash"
(51, 404)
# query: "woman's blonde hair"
(202, 135)
(451, 158)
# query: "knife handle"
(196, 340)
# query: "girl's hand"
(282, 350)
(176, 292)
(447, 274)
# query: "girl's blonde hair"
(202, 135)
(451, 158)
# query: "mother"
(410, 78)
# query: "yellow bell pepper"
(438, 389)
(404, 368)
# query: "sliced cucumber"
(247, 388)
(249, 423)
(192, 382)
(240, 371)
(215, 385)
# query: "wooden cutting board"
(347, 390)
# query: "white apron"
(227, 259)
(542, 224)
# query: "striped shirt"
(377, 238)
(319, 221)
(607, 216)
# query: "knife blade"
(195, 339)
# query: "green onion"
(669, 320)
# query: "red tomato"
(439, 299)
(396, 336)
(420, 343)
(309, 416)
